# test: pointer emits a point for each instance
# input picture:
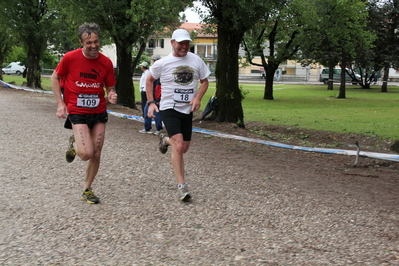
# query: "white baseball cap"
(180, 35)
(144, 64)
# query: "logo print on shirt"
(183, 75)
(93, 70)
(88, 75)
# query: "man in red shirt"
(84, 73)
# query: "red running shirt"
(84, 81)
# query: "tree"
(341, 29)
(129, 23)
(384, 22)
(5, 44)
(276, 37)
(63, 35)
(233, 18)
(29, 21)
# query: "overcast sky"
(192, 16)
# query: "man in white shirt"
(144, 67)
(179, 73)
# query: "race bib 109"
(88, 100)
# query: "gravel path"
(252, 204)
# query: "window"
(156, 43)
(151, 43)
(204, 50)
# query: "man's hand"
(196, 103)
(151, 109)
(112, 97)
(61, 111)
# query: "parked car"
(337, 76)
(13, 68)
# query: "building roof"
(198, 28)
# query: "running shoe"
(157, 132)
(163, 147)
(70, 152)
(146, 132)
(184, 195)
(89, 196)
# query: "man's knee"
(85, 155)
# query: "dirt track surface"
(252, 204)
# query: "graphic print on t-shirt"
(183, 75)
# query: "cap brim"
(182, 39)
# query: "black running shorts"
(177, 123)
(89, 120)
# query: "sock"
(180, 186)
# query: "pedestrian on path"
(157, 98)
(85, 72)
(144, 67)
(179, 73)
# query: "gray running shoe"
(184, 195)
(146, 132)
(89, 196)
(163, 147)
(70, 153)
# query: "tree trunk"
(33, 77)
(1, 64)
(384, 87)
(124, 78)
(342, 88)
(331, 66)
(228, 92)
(270, 70)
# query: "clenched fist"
(112, 97)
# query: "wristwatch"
(149, 102)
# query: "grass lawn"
(368, 112)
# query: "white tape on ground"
(381, 156)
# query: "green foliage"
(278, 35)
(30, 22)
(384, 23)
(16, 54)
(49, 59)
(341, 29)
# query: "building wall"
(110, 52)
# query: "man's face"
(180, 49)
(91, 45)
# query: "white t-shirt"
(143, 79)
(179, 77)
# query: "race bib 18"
(183, 95)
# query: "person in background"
(144, 67)
(179, 72)
(83, 74)
(157, 97)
